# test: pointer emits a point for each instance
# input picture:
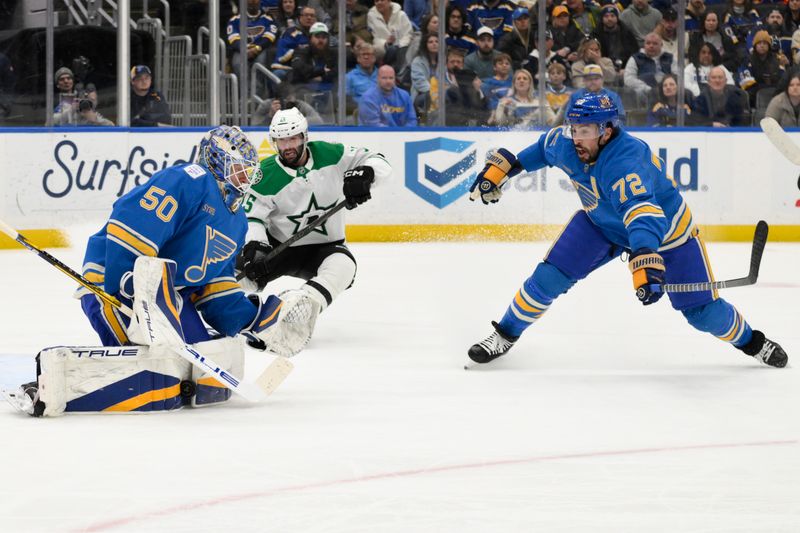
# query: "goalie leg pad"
(156, 304)
(110, 379)
(228, 352)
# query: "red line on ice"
(140, 517)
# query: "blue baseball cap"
(139, 70)
(520, 12)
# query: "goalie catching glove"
(648, 270)
(500, 165)
(357, 182)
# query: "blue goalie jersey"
(179, 214)
(627, 192)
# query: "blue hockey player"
(190, 214)
(630, 205)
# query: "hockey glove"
(267, 313)
(500, 165)
(254, 262)
(357, 182)
(648, 270)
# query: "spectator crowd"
(742, 62)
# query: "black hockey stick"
(300, 234)
(759, 241)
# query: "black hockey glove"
(357, 182)
(254, 262)
(648, 270)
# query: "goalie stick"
(759, 241)
(781, 140)
(254, 391)
(300, 234)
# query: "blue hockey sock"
(528, 305)
(722, 320)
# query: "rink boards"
(57, 178)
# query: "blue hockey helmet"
(594, 108)
(233, 160)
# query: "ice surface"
(606, 416)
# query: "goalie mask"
(232, 159)
(286, 125)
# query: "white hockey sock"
(335, 274)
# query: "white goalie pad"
(156, 304)
(228, 353)
(110, 379)
(295, 325)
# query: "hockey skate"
(766, 351)
(25, 399)
(492, 347)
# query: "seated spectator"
(645, 69)
(267, 109)
(423, 68)
(430, 26)
(641, 19)
(791, 17)
(458, 32)
(695, 75)
(285, 16)
(65, 112)
(720, 105)
(557, 91)
(785, 106)
(417, 10)
(391, 32)
(481, 60)
(764, 69)
(386, 105)
(8, 80)
(695, 9)
(667, 29)
(585, 15)
(589, 54)
(773, 24)
(316, 65)
(520, 41)
(148, 106)
(711, 33)
(364, 76)
(664, 112)
(355, 23)
(466, 103)
(593, 83)
(496, 14)
(293, 39)
(566, 35)
(261, 33)
(531, 64)
(616, 41)
(326, 10)
(496, 86)
(521, 106)
(740, 19)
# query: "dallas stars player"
(301, 181)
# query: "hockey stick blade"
(300, 234)
(759, 242)
(781, 140)
(252, 391)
